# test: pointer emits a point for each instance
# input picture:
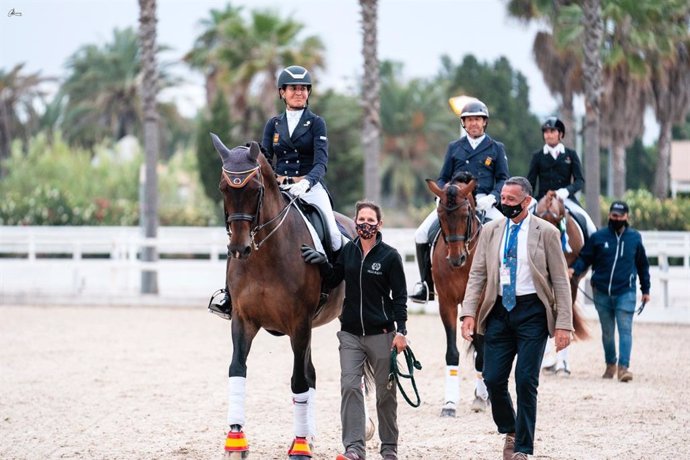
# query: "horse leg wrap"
(311, 413)
(236, 395)
(480, 388)
(301, 408)
(236, 442)
(300, 447)
(452, 384)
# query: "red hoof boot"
(300, 449)
(236, 446)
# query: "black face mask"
(513, 211)
(616, 225)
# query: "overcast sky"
(415, 32)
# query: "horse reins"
(237, 182)
(395, 374)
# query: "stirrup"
(416, 296)
(214, 305)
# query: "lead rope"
(395, 374)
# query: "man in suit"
(520, 268)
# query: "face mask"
(366, 231)
(513, 211)
(616, 225)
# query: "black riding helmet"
(553, 123)
(474, 109)
(294, 75)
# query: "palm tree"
(593, 24)
(371, 84)
(18, 117)
(670, 86)
(149, 91)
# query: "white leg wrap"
(236, 393)
(562, 359)
(480, 388)
(311, 413)
(549, 354)
(300, 402)
(452, 384)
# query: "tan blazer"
(547, 265)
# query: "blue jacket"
(487, 163)
(305, 153)
(616, 261)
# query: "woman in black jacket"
(372, 325)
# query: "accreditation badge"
(505, 276)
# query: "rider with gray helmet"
(483, 157)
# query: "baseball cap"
(619, 207)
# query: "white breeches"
(318, 197)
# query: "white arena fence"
(102, 264)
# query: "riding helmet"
(475, 109)
(294, 75)
(553, 123)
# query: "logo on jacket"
(568, 160)
(375, 269)
(606, 244)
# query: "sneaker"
(390, 456)
(609, 372)
(519, 456)
(624, 375)
(509, 446)
(349, 455)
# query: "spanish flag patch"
(276, 137)
(487, 161)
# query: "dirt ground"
(150, 383)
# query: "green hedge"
(650, 213)
(55, 184)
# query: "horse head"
(456, 214)
(242, 184)
(551, 208)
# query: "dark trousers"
(522, 331)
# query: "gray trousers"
(354, 351)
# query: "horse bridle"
(239, 179)
(454, 238)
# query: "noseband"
(239, 180)
(454, 238)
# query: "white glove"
(562, 193)
(298, 188)
(484, 203)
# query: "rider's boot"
(425, 289)
(221, 305)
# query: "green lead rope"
(395, 373)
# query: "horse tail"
(579, 323)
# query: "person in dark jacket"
(617, 257)
(483, 157)
(297, 140)
(372, 324)
(558, 168)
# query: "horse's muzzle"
(457, 262)
(239, 251)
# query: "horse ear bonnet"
(236, 160)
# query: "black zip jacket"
(375, 288)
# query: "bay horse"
(271, 287)
(552, 209)
(451, 261)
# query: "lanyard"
(507, 248)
